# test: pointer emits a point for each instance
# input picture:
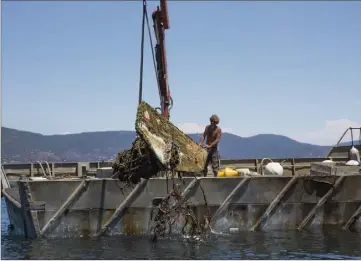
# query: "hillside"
(23, 146)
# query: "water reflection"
(323, 244)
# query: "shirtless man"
(213, 133)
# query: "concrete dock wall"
(292, 166)
(249, 200)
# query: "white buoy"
(354, 154)
(273, 168)
(352, 163)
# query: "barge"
(311, 194)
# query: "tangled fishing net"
(133, 164)
(170, 209)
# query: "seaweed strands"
(170, 209)
(133, 164)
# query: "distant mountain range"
(24, 146)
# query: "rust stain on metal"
(108, 214)
(130, 223)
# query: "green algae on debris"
(170, 145)
(159, 146)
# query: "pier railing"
(291, 166)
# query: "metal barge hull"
(309, 195)
(88, 207)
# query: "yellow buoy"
(220, 173)
(228, 172)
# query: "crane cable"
(145, 18)
(152, 48)
(142, 55)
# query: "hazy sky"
(263, 67)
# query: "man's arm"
(204, 135)
(218, 138)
